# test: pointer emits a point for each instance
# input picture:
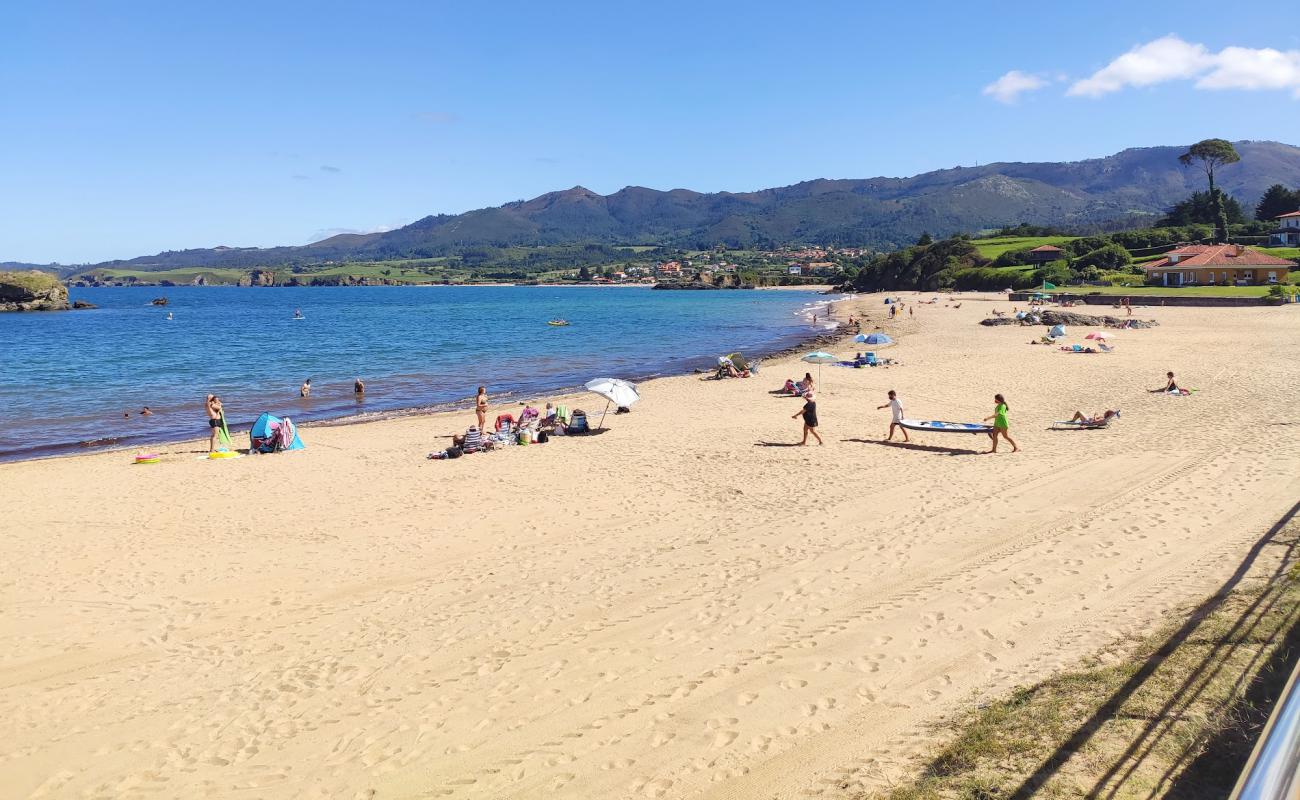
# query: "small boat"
(558, 323)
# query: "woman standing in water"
(1000, 424)
(480, 407)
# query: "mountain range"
(1125, 188)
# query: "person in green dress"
(1000, 425)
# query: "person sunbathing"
(1096, 419)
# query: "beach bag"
(542, 437)
(524, 438)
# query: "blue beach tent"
(271, 434)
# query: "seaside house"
(1045, 254)
(1288, 231)
(1216, 265)
(669, 268)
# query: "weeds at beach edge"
(1174, 714)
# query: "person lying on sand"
(1096, 419)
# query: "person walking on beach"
(896, 420)
(481, 407)
(305, 389)
(1000, 425)
(809, 412)
(214, 411)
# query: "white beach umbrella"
(614, 390)
(819, 357)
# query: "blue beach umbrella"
(877, 339)
(819, 357)
(1057, 331)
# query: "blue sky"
(131, 128)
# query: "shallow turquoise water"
(67, 378)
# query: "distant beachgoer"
(1096, 419)
(297, 313)
(910, 312)
(145, 412)
(809, 412)
(1171, 385)
(126, 415)
(481, 407)
(807, 383)
(305, 389)
(1000, 425)
(358, 387)
(896, 419)
(814, 319)
(169, 315)
(214, 411)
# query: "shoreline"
(72, 450)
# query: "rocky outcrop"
(1052, 317)
(32, 291)
(159, 301)
(83, 304)
(258, 277)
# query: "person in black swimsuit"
(809, 412)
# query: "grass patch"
(992, 248)
(1174, 714)
(31, 280)
(1282, 252)
(1173, 291)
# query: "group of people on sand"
(1000, 429)
(533, 426)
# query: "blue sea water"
(67, 378)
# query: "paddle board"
(945, 427)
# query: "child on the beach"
(896, 416)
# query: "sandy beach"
(684, 605)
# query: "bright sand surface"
(681, 606)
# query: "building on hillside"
(794, 269)
(1216, 265)
(1044, 254)
(1288, 231)
(669, 268)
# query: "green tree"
(1108, 257)
(925, 241)
(584, 274)
(1201, 209)
(1277, 200)
(1212, 155)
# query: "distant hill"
(877, 212)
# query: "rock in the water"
(83, 304)
(32, 291)
(159, 301)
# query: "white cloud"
(1247, 68)
(1165, 59)
(1009, 87)
(1170, 58)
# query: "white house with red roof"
(1217, 265)
(1288, 231)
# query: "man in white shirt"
(895, 408)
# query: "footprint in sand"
(793, 683)
(746, 698)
